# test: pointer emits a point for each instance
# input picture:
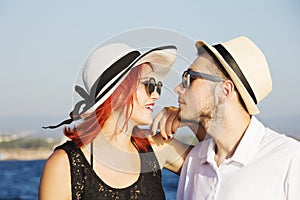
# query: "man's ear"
(227, 90)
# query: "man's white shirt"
(265, 165)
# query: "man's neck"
(232, 133)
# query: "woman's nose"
(155, 95)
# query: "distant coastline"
(24, 154)
(12, 148)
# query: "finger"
(174, 119)
(162, 127)
(170, 130)
(155, 123)
(159, 123)
(176, 124)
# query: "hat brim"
(161, 60)
(250, 104)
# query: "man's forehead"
(203, 63)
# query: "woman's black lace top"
(87, 185)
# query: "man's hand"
(167, 121)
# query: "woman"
(108, 156)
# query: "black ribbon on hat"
(123, 65)
(235, 67)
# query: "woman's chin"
(145, 122)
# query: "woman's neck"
(116, 133)
(113, 149)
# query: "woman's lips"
(150, 106)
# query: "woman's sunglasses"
(151, 84)
(186, 77)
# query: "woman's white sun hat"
(108, 66)
(246, 66)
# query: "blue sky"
(43, 44)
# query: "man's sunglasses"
(186, 77)
(151, 84)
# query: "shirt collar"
(207, 151)
(246, 148)
(249, 142)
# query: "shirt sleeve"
(182, 180)
(293, 177)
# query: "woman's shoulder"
(58, 160)
(66, 146)
(55, 180)
(59, 157)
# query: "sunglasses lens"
(159, 86)
(151, 85)
(151, 88)
(185, 79)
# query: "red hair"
(88, 130)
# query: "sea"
(19, 180)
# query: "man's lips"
(181, 102)
(150, 106)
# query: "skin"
(193, 113)
(123, 170)
(207, 108)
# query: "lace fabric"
(87, 185)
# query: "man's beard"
(210, 121)
(201, 119)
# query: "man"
(242, 159)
